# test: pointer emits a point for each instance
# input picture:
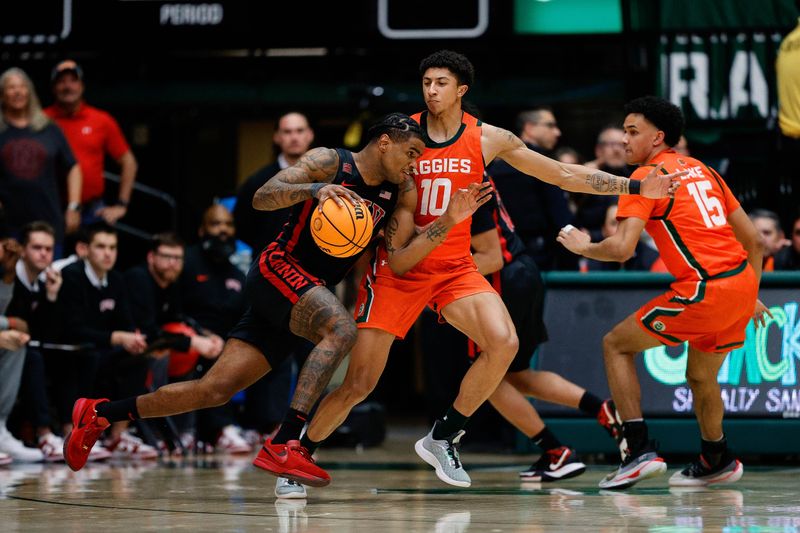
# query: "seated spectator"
(788, 258)
(97, 314)
(772, 238)
(36, 301)
(211, 293)
(13, 338)
(156, 301)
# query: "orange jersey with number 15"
(442, 169)
(690, 230)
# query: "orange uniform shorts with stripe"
(392, 303)
(711, 315)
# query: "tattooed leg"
(320, 317)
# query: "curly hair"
(456, 63)
(397, 126)
(664, 115)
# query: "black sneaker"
(700, 473)
(553, 465)
(637, 466)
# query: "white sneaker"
(99, 453)
(52, 447)
(17, 450)
(127, 446)
(289, 489)
(5, 459)
(232, 441)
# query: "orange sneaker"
(86, 429)
(292, 461)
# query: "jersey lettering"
(439, 165)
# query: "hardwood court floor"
(382, 490)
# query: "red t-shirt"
(91, 134)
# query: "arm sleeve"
(634, 205)
(64, 154)
(115, 144)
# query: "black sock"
(546, 440)
(291, 428)
(635, 434)
(590, 404)
(309, 444)
(713, 451)
(452, 423)
(119, 410)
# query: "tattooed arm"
(404, 246)
(304, 180)
(500, 143)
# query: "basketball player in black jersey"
(287, 289)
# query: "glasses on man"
(170, 257)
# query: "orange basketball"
(342, 231)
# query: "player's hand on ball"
(658, 185)
(466, 201)
(574, 239)
(336, 192)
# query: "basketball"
(342, 231)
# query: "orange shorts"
(392, 303)
(711, 315)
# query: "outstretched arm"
(619, 247)
(500, 143)
(309, 178)
(405, 249)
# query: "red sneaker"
(291, 461)
(609, 418)
(86, 429)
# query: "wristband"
(122, 203)
(634, 186)
(4, 323)
(74, 206)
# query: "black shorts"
(274, 284)
(521, 287)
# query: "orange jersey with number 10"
(442, 169)
(691, 230)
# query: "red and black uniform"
(519, 283)
(293, 264)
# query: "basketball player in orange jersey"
(709, 244)
(456, 147)
(287, 288)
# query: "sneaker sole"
(429, 458)
(291, 496)
(677, 480)
(571, 470)
(294, 475)
(645, 471)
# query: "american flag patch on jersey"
(385, 194)
(347, 167)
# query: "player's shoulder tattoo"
(321, 164)
(408, 185)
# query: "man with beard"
(155, 301)
(211, 293)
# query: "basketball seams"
(351, 246)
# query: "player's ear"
(659, 138)
(384, 142)
(462, 90)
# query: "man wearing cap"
(91, 134)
